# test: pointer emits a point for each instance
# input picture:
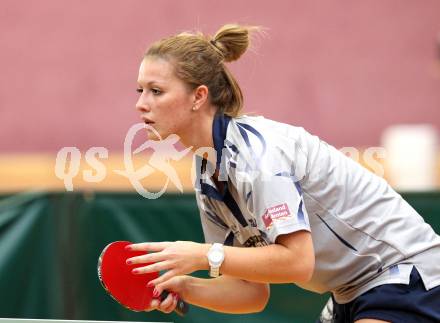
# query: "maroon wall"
(342, 69)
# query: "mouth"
(147, 121)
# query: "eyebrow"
(150, 83)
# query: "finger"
(166, 285)
(168, 275)
(167, 301)
(166, 305)
(159, 266)
(153, 305)
(173, 305)
(149, 246)
(152, 257)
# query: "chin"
(154, 134)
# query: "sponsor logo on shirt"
(275, 213)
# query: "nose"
(141, 105)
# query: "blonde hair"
(199, 59)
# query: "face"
(165, 101)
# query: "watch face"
(216, 256)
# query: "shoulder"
(259, 131)
(266, 144)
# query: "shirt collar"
(219, 130)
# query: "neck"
(200, 132)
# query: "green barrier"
(50, 244)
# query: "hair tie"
(217, 49)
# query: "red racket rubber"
(128, 289)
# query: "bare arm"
(223, 294)
(291, 259)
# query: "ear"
(200, 95)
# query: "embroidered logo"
(275, 213)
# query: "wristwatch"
(216, 255)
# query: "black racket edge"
(101, 256)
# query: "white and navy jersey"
(279, 179)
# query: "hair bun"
(232, 40)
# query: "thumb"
(170, 285)
(162, 286)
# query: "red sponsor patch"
(274, 213)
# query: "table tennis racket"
(128, 289)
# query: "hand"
(177, 258)
(166, 306)
(176, 287)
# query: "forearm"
(264, 264)
(290, 259)
(226, 294)
(275, 263)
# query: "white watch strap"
(214, 271)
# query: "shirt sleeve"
(278, 206)
(273, 191)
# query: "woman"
(315, 217)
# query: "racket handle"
(181, 308)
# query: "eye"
(139, 90)
(156, 91)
